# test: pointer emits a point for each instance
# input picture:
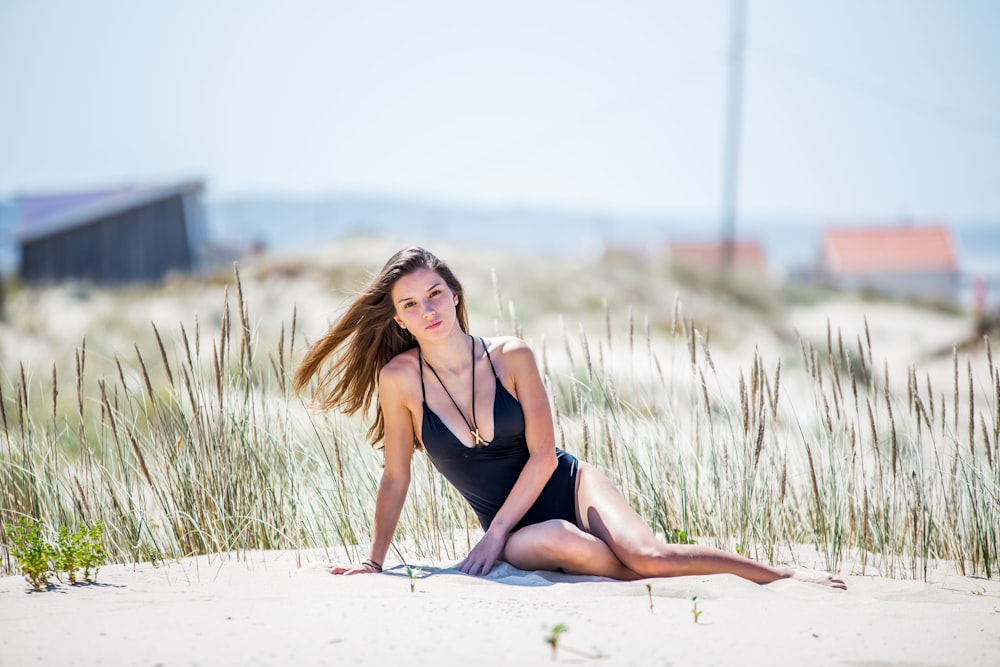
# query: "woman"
(479, 409)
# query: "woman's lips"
(433, 325)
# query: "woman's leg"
(605, 514)
(559, 545)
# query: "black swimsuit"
(485, 475)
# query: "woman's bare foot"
(818, 577)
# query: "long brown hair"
(371, 338)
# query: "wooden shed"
(903, 261)
(115, 236)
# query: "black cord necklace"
(473, 427)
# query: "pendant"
(479, 438)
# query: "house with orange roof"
(902, 261)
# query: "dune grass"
(197, 446)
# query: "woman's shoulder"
(509, 349)
(401, 367)
(505, 344)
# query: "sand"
(283, 608)
(280, 608)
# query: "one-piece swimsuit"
(485, 475)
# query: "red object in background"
(979, 294)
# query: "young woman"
(479, 409)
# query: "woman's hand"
(484, 555)
(367, 567)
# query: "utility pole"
(731, 149)
(3, 289)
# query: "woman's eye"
(436, 292)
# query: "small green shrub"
(32, 553)
(38, 559)
(82, 550)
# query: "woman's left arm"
(520, 367)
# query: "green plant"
(38, 559)
(32, 553)
(694, 610)
(194, 444)
(552, 639)
(81, 550)
(677, 536)
(413, 573)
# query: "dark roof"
(44, 215)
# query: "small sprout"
(695, 611)
(413, 573)
(552, 639)
(649, 591)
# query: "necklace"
(473, 427)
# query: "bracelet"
(373, 565)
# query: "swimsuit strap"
(420, 363)
(492, 367)
(473, 427)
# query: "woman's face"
(424, 303)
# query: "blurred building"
(903, 261)
(114, 236)
(747, 256)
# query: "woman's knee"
(551, 542)
(568, 540)
(553, 538)
(560, 545)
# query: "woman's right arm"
(398, 452)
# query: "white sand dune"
(282, 608)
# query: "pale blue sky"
(854, 109)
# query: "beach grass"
(189, 441)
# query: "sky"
(851, 109)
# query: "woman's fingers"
(819, 577)
(473, 567)
(476, 565)
(483, 556)
(350, 569)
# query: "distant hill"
(284, 224)
(287, 225)
(292, 224)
